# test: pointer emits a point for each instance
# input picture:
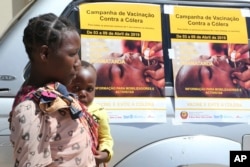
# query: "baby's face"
(84, 85)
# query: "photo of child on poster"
(211, 70)
(126, 68)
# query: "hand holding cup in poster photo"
(152, 51)
(239, 54)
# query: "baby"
(84, 86)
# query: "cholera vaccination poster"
(208, 45)
(117, 38)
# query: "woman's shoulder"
(25, 109)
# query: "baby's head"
(84, 83)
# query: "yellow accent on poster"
(207, 24)
(121, 21)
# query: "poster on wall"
(124, 43)
(210, 53)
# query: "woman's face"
(215, 76)
(64, 60)
(130, 73)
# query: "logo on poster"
(184, 114)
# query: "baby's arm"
(104, 135)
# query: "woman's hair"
(46, 29)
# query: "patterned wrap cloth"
(58, 131)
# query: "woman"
(47, 127)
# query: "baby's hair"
(46, 29)
(86, 64)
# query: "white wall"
(8, 10)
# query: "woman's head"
(126, 78)
(47, 30)
(84, 83)
(52, 44)
(211, 77)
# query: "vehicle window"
(10, 11)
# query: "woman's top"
(48, 129)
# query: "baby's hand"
(101, 156)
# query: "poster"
(117, 38)
(208, 45)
